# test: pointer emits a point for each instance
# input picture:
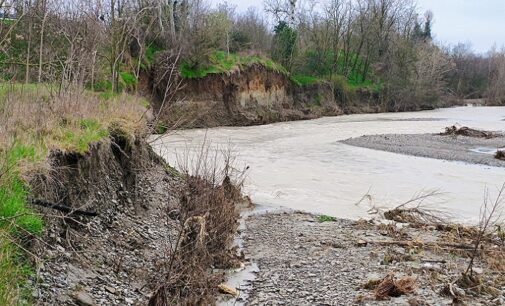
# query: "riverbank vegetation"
(381, 47)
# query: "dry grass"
(65, 121)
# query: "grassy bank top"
(221, 62)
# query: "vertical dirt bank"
(120, 229)
(108, 254)
(255, 95)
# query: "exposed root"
(390, 287)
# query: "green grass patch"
(150, 54)
(13, 193)
(128, 80)
(108, 95)
(36, 90)
(325, 218)
(103, 85)
(303, 80)
(78, 140)
(221, 62)
(13, 272)
(13, 197)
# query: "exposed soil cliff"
(121, 229)
(255, 95)
(110, 258)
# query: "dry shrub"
(495, 260)
(208, 221)
(418, 210)
(390, 287)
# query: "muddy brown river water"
(302, 165)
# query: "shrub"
(325, 218)
(127, 81)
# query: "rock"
(361, 243)
(83, 299)
(110, 289)
(459, 292)
(225, 289)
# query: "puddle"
(241, 278)
(485, 150)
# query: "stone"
(110, 289)
(225, 289)
(83, 299)
(361, 243)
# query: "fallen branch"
(63, 208)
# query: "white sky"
(479, 22)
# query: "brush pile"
(390, 287)
(500, 154)
(468, 132)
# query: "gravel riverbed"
(460, 148)
(303, 261)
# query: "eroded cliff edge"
(250, 96)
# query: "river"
(301, 165)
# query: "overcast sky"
(480, 22)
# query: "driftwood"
(500, 154)
(469, 132)
(63, 208)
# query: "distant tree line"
(384, 47)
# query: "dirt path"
(303, 261)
